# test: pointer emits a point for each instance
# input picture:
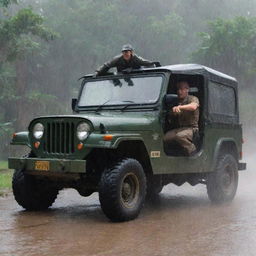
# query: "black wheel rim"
(129, 193)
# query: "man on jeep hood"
(125, 60)
(187, 112)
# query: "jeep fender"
(126, 147)
(128, 138)
(136, 149)
(20, 138)
(110, 140)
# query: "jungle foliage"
(46, 45)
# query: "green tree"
(21, 36)
(5, 3)
(230, 46)
(91, 32)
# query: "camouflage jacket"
(120, 63)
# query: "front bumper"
(48, 165)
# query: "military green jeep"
(113, 142)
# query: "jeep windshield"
(122, 91)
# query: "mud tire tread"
(214, 189)
(109, 190)
(29, 195)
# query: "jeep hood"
(121, 123)
(113, 121)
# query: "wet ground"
(183, 222)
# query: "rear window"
(222, 103)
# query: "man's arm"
(106, 66)
(143, 62)
(189, 107)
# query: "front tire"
(122, 190)
(30, 193)
(222, 183)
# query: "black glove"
(96, 73)
(157, 63)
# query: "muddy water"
(182, 222)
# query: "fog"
(46, 45)
(40, 63)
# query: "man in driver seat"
(187, 114)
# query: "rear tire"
(30, 193)
(122, 190)
(222, 183)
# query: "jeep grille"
(59, 137)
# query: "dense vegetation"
(46, 45)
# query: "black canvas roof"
(210, 73)
(187, 69)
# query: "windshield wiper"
(124, 101)
(100, 107)
(127, 105)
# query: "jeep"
(113, 142)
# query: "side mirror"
(73, 104)
(171, 99)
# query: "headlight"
(38, 131)
(82, 131)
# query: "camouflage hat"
(127, 47)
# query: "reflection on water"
(181, 222)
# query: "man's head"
(127, 51)
(182, 89)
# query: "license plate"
(42, 165)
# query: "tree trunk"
(22, 111)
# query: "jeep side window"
(222, 102)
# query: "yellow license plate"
(42, 165)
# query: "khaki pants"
(183, 136)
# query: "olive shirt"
(188, 118)
(120, 63)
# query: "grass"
(3, 165)
(5, 178)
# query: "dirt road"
(182, 222)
